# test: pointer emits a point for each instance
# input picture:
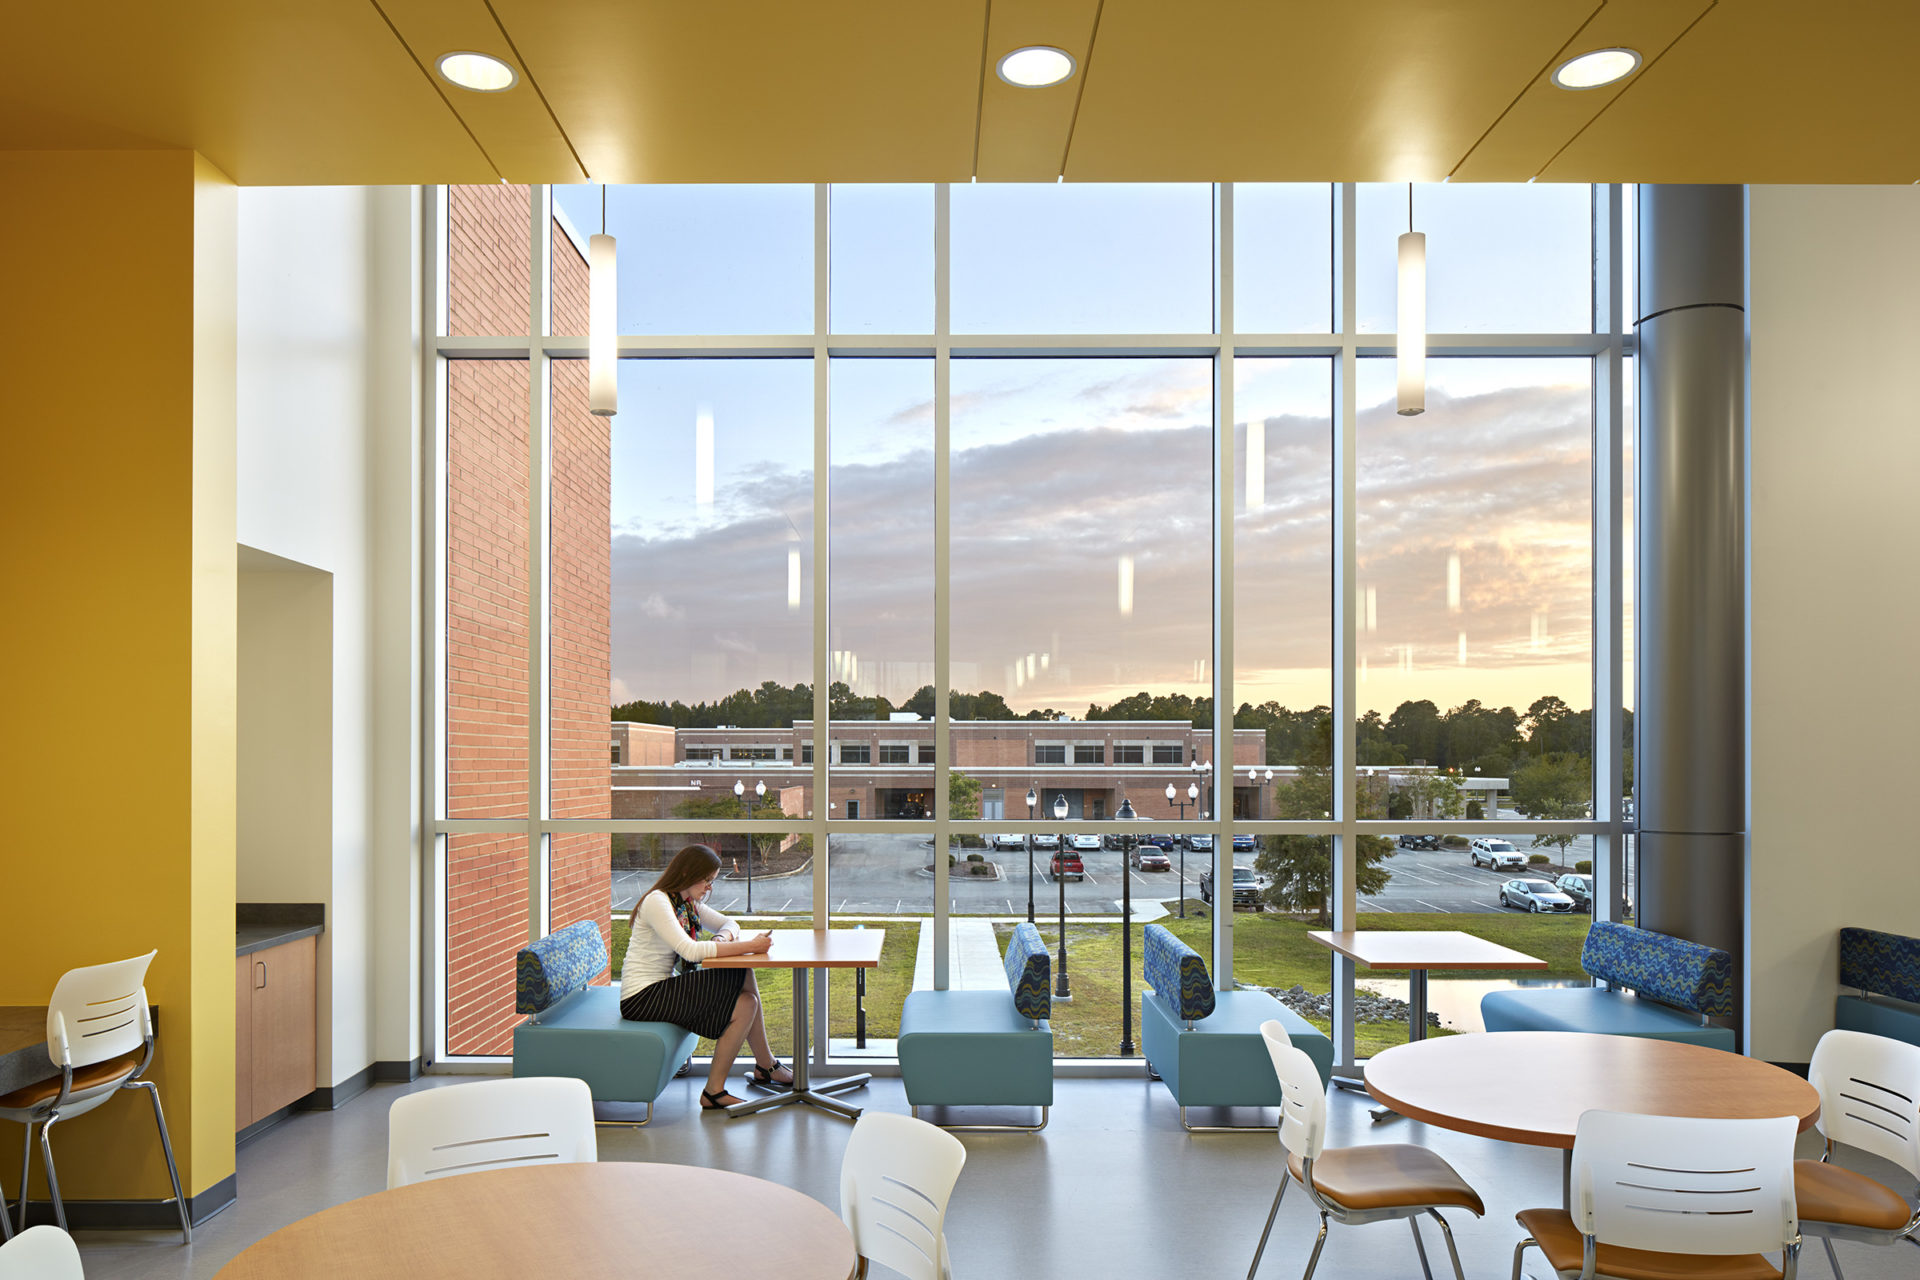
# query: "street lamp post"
(1061, 991)
(1173, 798)
(739, 793)
(1032, 801)
(1126, 932)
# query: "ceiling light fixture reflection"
(603, 321)
(1036, 66)
(1410, 328)
(1600, 67)
(480, 72)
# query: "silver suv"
(1490, 851)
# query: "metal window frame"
(1608, 346)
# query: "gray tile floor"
(1113, 1188)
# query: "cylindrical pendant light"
(1411, 324)
(603, 321)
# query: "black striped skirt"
(701, 1002)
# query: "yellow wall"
(117, 749)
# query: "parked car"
(1006, 841)
(1249, 887)
(1084, 844)
(1162, 841)
(1579, 888)
(1246, 844)
(1067, 866)
(1046, 842)
(1419, 842)
(1496, 854)
(1149, 858)
(1200, 843)
(1534, 895)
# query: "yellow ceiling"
(342, 91)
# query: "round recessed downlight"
(1591, 70)
(480, 72)
(1036, 66)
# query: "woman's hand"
(758, 943)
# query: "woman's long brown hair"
(689, 867)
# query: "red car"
(1067, 866)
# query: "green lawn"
(1269, 951)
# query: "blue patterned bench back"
(1883, 963)
(550, 970)
(1030, 973)
(1671, 970)
(1178, 975)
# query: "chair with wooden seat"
(1354, 1185)
(100, 1035)
(1655, 1197)
(1869, 1098)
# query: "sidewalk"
(973, 958)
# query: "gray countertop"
(259, 925)
(258, 937)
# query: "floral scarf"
(689, 916)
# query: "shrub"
(980, 869)
(976, 857)
(1454, 842)
(1537, 859)
(951, 860)
(1475, 810)
(1584, 867)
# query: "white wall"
(1835, 753)
(328, 478)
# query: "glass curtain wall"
(937, 522)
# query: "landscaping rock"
(1368, 1006)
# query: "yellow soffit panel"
(840, 90)
(513, 127)
(1545, 117)
(1024, 132)
(1767, 91)
(270, 93)
(1254, 90)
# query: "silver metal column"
(1690, 506)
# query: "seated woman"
(661, 979)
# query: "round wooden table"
(562, 1220)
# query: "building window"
(1165, 754)
(890, 753)
(856, 753)
(926, 753)
(786, 753)
(751, 753)
(703, 753)
(1089, 755)
(806, 753)
(1130, 753)
(1049, 753)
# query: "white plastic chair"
(895, 1181)
(1354, 1185)
(490, 1124)
(1869, 1098)
(40, 1253)
(97, 1020)
(1677, 1188)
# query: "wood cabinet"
(274, 1038)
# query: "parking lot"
(887, 875)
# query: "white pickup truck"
(1492, 852)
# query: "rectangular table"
(802, 950)
(1417, 951)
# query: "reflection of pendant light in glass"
(1411, 324)
(603, 321)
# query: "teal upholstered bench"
(984, 1048)
(576, 1030)
(1671, 987)
(1204, 1044)
(1885, 969)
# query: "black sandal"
(763, 1076)
(717, 1100)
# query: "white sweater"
(658, 939)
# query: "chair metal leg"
(1517, 1251)
(26, 1167)
(1313, 1259)
(173, 1170)
(1833, 1258)
(53, 1182)
(1420, 1247)
(1446, 1233)
(1272, 1213)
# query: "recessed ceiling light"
(1036, 66)
(1591, 70)
(480, 72)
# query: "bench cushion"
(548, 971)
(1222, 1061)
(585, 1037)
(1884, 963)
(1598, 1010)
(1894, 1019)
(1030, 973)
(1671, 970)
(1179, 973)
(973, 1049)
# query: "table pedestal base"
(803, 1091)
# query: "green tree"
(1555, 788)
(1432, 795)
(1300, 868)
